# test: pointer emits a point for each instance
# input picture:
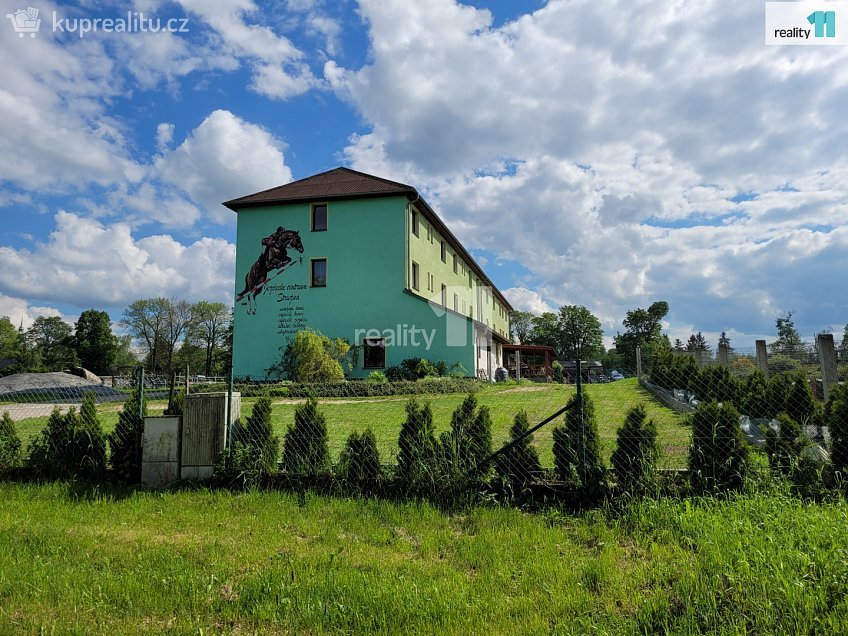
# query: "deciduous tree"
(96, 346)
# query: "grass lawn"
(76, 560)
(384, 415)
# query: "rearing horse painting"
(273, 257)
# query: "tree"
(145, 320)
(697, 342)
(574, 333)
(788, 339)
(159, 324)
(8, 343)
(209, 327)
(718, 455)
(50, 340)
(520, 326)
(643, 328)
(178, 318)
(312, 357)
(124, 356)
(416, 470)
(637, 450)
(678, 345)
(25, 356)
(305, 448)
(10, 444)
(843, 346)
(724, 340)
(520, 463)
(95, 344)
(577, 456)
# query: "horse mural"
(273, 257)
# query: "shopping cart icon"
(25, 21)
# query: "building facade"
(364, 259)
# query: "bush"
(175, 406)
(254, 449)
(518, 465)
(367, 388)
(69, 446)
(471, 435)
(754, 401)
(416, 471)
(837, 414)
(590, 482)
(716, 383)
(556, 372)
(125, 440)
(800, 403)
(305, 448)
(359, 464)
(10, 445)
(312, 357)
(637, 450)
(378, 377)
(784, 446)
(718, 456)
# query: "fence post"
(639, 364)
(827, 359)
(518, 365)
(187, 382)
(227, 431)
(582, 442)
(139, 441)
(762, 358)
(723, 356)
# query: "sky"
(605, 153)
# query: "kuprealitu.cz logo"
(807, 23)
(28, 22)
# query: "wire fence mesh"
(677, 412)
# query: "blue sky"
(664, 154)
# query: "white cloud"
(607, 156)
(164, 135)
(223, 158)
(278, 66)
(20, 312)
(86, 262)
(523, 299)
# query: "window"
(319, 217)
(444, 253)
(469, 279)
(455, 302)
(454, 264)
(319, 272)
(444, 296)
(431, 283)
(415, 222)
(414, 275)
(374, 353)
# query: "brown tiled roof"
(333, 184)
(344, 183)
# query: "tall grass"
(77, 560)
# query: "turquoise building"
(365, 259)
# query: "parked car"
(615, 375)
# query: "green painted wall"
(460, 281)
(366, 254)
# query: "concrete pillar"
(723, 355)
(639, 363)
(517, 365)
(762, 358)
(827, 358)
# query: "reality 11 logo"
(825, 23)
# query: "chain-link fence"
(699, 418)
